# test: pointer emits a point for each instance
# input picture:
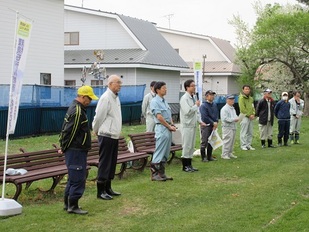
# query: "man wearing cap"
(282, 112)
(229, 119)
(75, 142)
(296, 111)
(265, 112)
(247, 110)
(209, 115)
(107, 124)
(146, 112)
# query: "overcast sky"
(207, 17)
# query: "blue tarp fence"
(42, 108)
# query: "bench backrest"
(143, 141)
(33, 160)
(95, 147)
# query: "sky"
(206, 17)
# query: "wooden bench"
(139, 159)
(146, 142)
(40, 165)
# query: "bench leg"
(140, 164)
(122, 170)
(28, 184)
(19, 187)
(56, 180)
(171, 157)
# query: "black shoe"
(187, 169)
(76, 210)
(73, 207)
(193, 168)
(212, 159)
(204, 160)
(271, 146)
(109, 190)
(105, 196)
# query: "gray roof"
(158, 51)
(226, 47)
(218, 67)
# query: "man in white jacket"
(189, 116)
(146, 111)
(107, 125)
(296, 111)
(228, 118)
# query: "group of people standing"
(75, 136)
(206, 115)
(287, 111)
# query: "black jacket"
(75, 132)
(262, 111)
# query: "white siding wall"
(45, 53)
(171, 78)
(234, 87)
(96, 32)
(192, 49)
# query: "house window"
(69, 82)
(71, 38)
(96, 82)
(45, 78)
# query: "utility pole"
(169, 16)
(204, 60)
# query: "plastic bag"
(215, 140)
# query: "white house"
(132, 48)
(220, 72)
(45, 56)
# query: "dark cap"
(210, 92)
(230, 96)
(268, 91)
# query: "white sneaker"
(245, 148)
(225, 157)
(233, 156)
(251, 148)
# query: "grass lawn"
(262, 190)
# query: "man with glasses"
(107, 125)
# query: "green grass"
(262, 190)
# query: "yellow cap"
(87, 91)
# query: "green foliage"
(263, 190)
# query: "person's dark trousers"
(107, 158)
(205, 132)
(283, 130)
(76, 162)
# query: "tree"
(280, 38)
(304, 2)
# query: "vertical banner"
(198, 79)
(22, 38)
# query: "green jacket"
(246, 105)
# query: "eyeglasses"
(117, 82)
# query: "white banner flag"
(22, 38)
(198, 79)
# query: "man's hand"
(198, 103)
(215, 125)
(251, 117)
(172, 128)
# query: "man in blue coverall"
(163, 132)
